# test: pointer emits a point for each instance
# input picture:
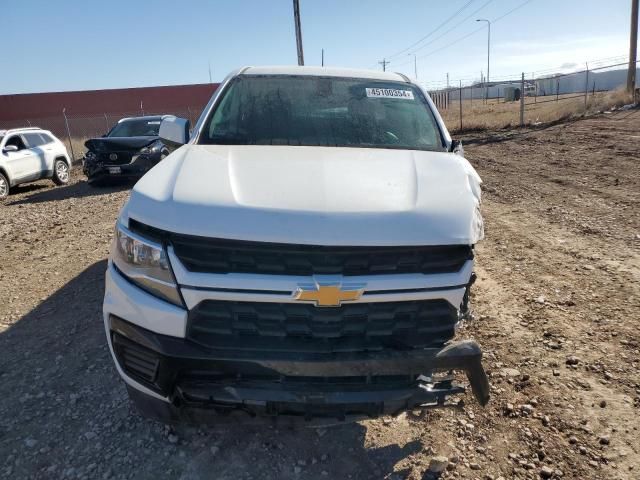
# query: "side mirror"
(174, 130)
(456, 147)
(10, 148)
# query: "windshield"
(136, 128)
(322, 111)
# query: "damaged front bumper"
(96, 170)
(200, 384)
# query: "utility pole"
(460, 104)
(323, 57)
(210, 73)
(586, 86)
(488, 51)
(384, 64)
(447, 90)
(415, 64)
(633, 47)
(522, 101)
(296, 15)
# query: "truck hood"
(312, 195)
(110, 144)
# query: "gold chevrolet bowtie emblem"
(328, 295)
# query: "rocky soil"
(556, 309)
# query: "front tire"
(60, 172)
(4, 186)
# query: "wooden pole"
(460, 104)
(586, 86)
(522, 101)
(633, 47)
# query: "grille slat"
(355, 327)
(222, 256)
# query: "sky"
(88, 44)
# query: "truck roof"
(324, 72)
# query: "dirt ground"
(556, 309)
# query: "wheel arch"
(63, 157)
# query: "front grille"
(124, 158)
(306, 328)
(225, 256)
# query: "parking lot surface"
(556, 309)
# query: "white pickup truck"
(307, 251)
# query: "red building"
(98, 102)
(92, 112)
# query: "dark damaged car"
(130, 149)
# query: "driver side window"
(16, 140)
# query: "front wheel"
(60, 172)
(4, 186)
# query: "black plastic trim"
(178, 356)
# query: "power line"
(467, 35)
(456, 25)
(446, 46)
(510, 11)
(434, 30)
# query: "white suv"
(29, 154)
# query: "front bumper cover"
(96, 170)
(201, 383)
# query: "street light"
(415, 64)
(488, 50)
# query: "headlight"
(145, 263)
(150, 148)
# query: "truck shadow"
(62, 398)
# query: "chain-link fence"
(74, 130)
(508, 102)
(529, 100)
